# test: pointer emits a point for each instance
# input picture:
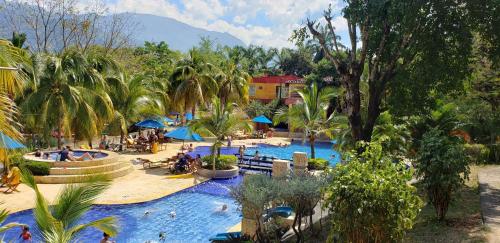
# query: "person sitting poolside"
(181, 164)
(191, 148)
(84, 156)
(13, 179)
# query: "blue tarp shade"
(8, 143)
(262, 119)
(189, 116)
(184, 133)
(150, 124)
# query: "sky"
(259, 22)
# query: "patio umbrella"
(189, 116)
(8, 143)
(184, 133)
(150, 124)
(262, 119)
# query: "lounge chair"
(13, 180)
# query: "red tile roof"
(278, 79)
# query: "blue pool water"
(78, 153)
(323, 150)
(197, 216)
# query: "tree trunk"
(311, 143)
(122, 136)
(59, 131)
(193, 111)
(353, 103)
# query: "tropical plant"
(70, 93)
(12, 82)
(369, 198)
(310, 115)
(59, 222)
(132, 101)
(220, 123)
(443, 167)
(222, 162)
(192, 82)
(233, 84)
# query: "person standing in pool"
(256, 156)
(25, 234)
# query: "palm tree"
(233, 84)
(70, 92)
(12, 82)
(192, 81)
(58, 222)
(219, 124)
(310, 115)
(131, 102)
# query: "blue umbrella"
(8, 143)
(262, 119)
(165, 119)
(150, 124)
(189, 116)
(184, 133)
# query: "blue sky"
(261, 22)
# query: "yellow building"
(268, 88)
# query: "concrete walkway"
(489, 186)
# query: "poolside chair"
(13, 180)
(228, 237)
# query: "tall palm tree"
(131, 102)
(70, 91)
(233, 84)
(193, 81)
(219, 124)
(58, 222)
(310, 115)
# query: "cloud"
(261, 22)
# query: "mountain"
(178, 35)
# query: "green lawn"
(463, 221)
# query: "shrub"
(223, 162)
(37, 168)
(317, 164)
(478, 153)
(369, 198)
(443, 167)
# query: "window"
(251, 90)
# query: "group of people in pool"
(66, 154)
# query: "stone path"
(489, 186)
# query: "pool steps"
(81, 171)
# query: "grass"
(463, 221)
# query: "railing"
(265, 164)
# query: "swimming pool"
(197, 216)
(324, 150)
(77, 153)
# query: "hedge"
(37, 168)
(317, 164)
(223, 162)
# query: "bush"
(477, 153)
(443, 167)
(317, 164)
(223, 162)
(37, 168)
(370, 199)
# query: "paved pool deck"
(140, 185)
(489, 186)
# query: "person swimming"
(25, 234)
(162, 236)
(224, 208)
(172, 214)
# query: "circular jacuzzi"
(53, 156)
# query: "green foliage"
(310, 115)
(256, 108)
(37, 168)
(443, 167)
(60, 221)
(317, 164)
(370, 199)
(478, 153)
(222, 162)
(3, 216)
